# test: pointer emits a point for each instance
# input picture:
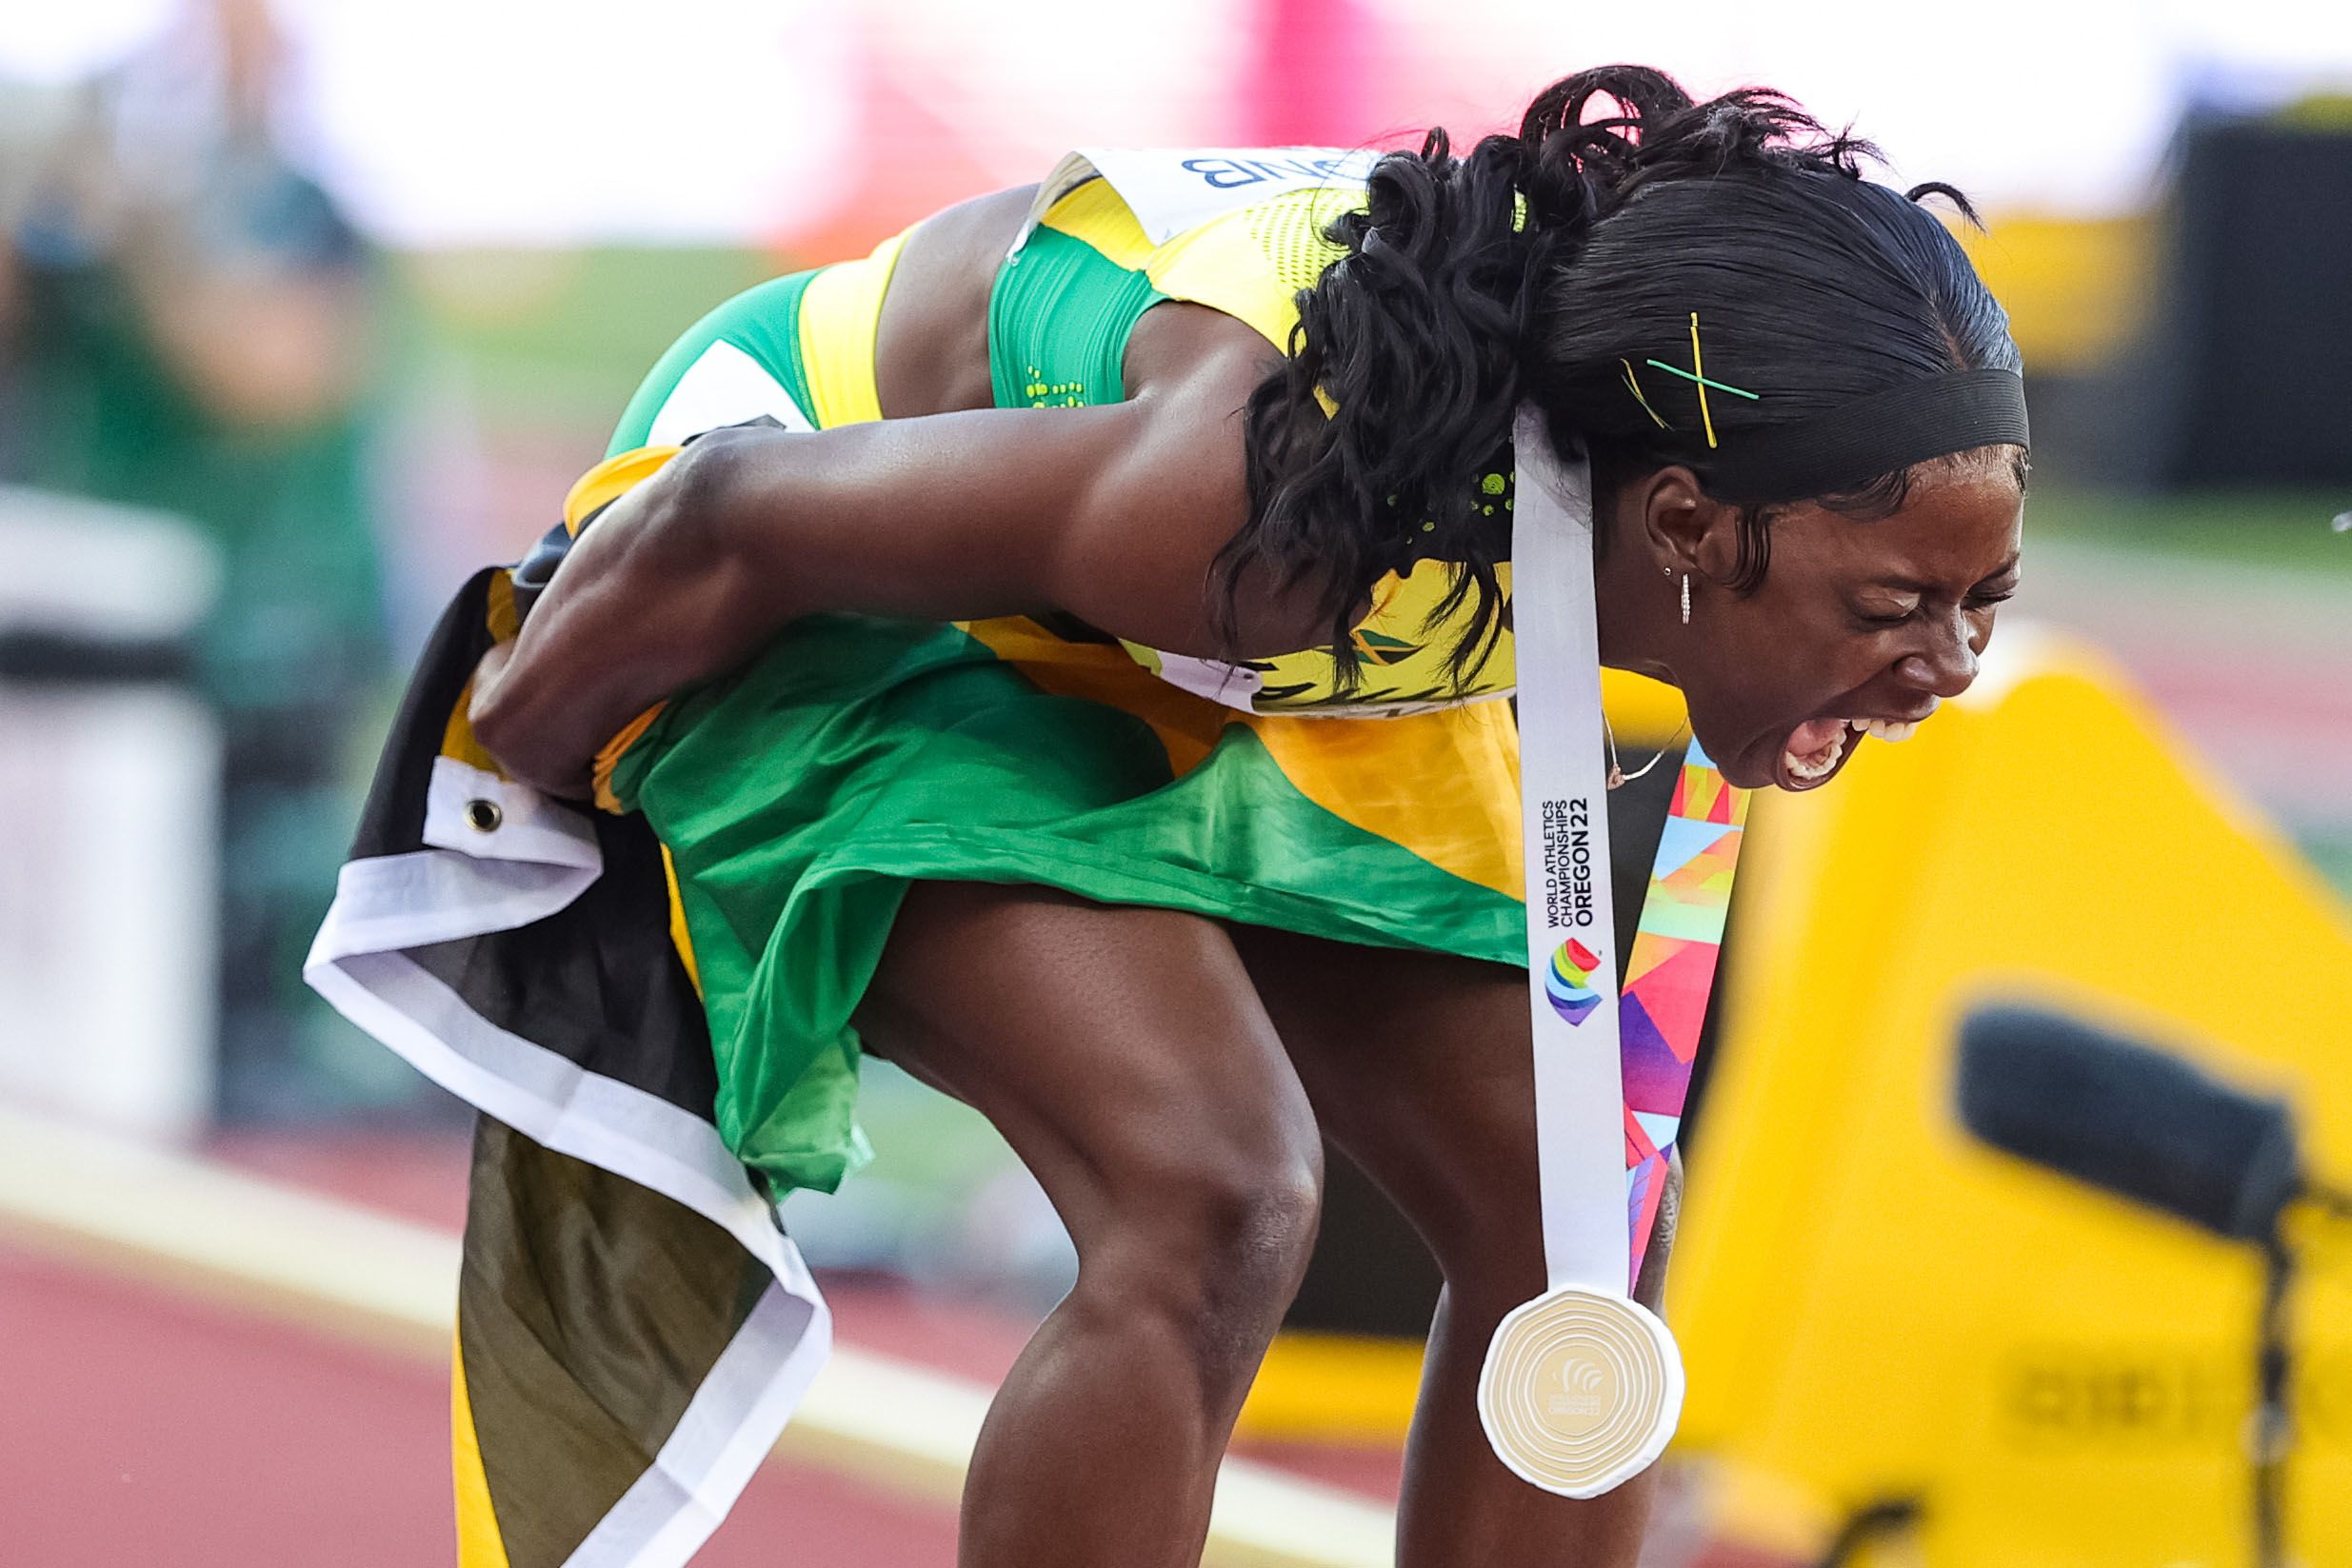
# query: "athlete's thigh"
(1118, 1049)
(1419, 1068)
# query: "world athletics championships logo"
(1572, 965)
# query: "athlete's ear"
(1684, 529)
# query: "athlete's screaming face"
(1859, 629)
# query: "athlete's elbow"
(726, 532)
(691, 517)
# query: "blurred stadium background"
(308, 308)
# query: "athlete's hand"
(487, 674)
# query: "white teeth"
(1883, 729)
(1804, 768)
(1889, 729)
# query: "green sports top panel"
(1067, 298)
(1059, 318)
(762, 323)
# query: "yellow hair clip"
(1636, 388)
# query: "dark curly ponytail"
(1412, 342)
(1555, 266)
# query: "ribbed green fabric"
(1059, 318)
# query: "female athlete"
(985, 681)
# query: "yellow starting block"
(1875, 1308)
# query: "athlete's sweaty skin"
(1169, 1079)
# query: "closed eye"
(1880, 619)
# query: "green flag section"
(1873, 1306)
(856, 756)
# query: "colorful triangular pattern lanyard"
(1669, 975)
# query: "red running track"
(138, 1430)
(141, 1429)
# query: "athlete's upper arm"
(1112, 513)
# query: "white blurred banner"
(461, 122)
(109, 785)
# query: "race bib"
(1171, 190)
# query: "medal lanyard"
(1582, 1386)
(1564, 824)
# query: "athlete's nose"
(1947, 667)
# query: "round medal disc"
(1581, 1390)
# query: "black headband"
(1878, 435)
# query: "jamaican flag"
(635, 1327)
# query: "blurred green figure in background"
(186, 324)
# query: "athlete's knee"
(1474, 1198)
(1210, 1244)
(1241, 1221)
(1490, 1248)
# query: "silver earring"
(1685, 598)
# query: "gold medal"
(1581, 1390)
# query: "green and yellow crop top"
(1114, 234)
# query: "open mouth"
(1817, 749)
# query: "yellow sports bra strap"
(839, 316)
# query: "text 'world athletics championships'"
(1568, 863)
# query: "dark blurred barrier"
(2250, 375)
